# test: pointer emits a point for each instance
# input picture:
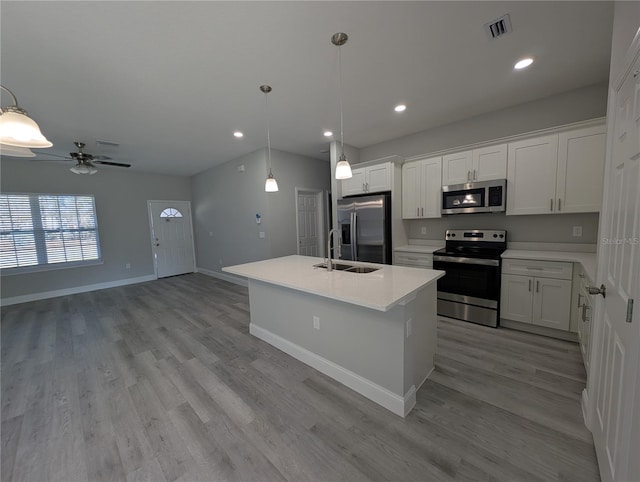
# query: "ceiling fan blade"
(100, 158)
(61, 159)
(117, 164)
(64, 158)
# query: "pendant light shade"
(343, 169)
(13, 151)
(18, 129)
(270, 185)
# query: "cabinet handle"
(417, 211)
(475, 177)
(529, 285)
(364, 189)
(468, 175)
(551, 205)
(537, 286)
(559, 204)
(422, 211)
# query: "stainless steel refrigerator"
(364, 223)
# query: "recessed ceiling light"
(523, 64)
(328, 133)
(238, 134)
(400, 108)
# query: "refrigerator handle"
(354, 236)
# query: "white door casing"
(171, 237)
(612, 397)
(309, 222)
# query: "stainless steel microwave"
(475, 197)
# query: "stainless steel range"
(470, 290)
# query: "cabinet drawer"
(540, 269)
(418, 260)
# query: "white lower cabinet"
(537, 292)
(413, 259)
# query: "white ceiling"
(171, 81)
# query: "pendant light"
(270, 185)
(17, 128)
(343, 169)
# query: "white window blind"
(47, 230)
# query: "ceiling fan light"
(13, 151)
(271, 185)
(83, 169)
(343, 168)
(19, 130)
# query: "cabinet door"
(456, 168)
(432, 188)
(412, 189)
(355, 185)
(580, 170)
(490, 163)
(531, 175)
(378, 178)
(552, 303)
(516, 298)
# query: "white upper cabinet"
(368, 179)
(482, 164)
(421, 188)
(531, 175)
(557, 173)
(580, 170)
(456, 168)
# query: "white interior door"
(172, 237)
(613, 394)
(309, 214)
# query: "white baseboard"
(75, 290)
(395, 403)
(585, 407)
(224, 276)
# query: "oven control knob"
(502, 235)
(495, 235)
(453, 235)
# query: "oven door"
(470, 289)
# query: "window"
(45, 231)
(171, 213)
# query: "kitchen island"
(374, 332)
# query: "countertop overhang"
(380, 290)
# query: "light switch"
(577, 231)
(261, 234)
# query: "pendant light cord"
(340, 89)
(266, 109)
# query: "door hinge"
(629, 310)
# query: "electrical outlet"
(577, 231)
(261, 234)
(423, 230)
(127, 266)
(316, 322)
(409, 327)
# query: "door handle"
(598, 291)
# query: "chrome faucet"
(329, 265)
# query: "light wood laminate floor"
(161, 381)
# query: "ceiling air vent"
(498, 27)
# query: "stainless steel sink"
(348, 267)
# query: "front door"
(309, 210)
(613, 394)
(171, 237)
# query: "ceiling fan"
(85, 162)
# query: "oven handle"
(462, 260)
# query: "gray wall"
(573, 106)
(544, 228)
(123, 220)
(226, 201)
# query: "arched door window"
(171, 213)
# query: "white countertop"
(380, 290)
(587, 260)
(418, 248)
